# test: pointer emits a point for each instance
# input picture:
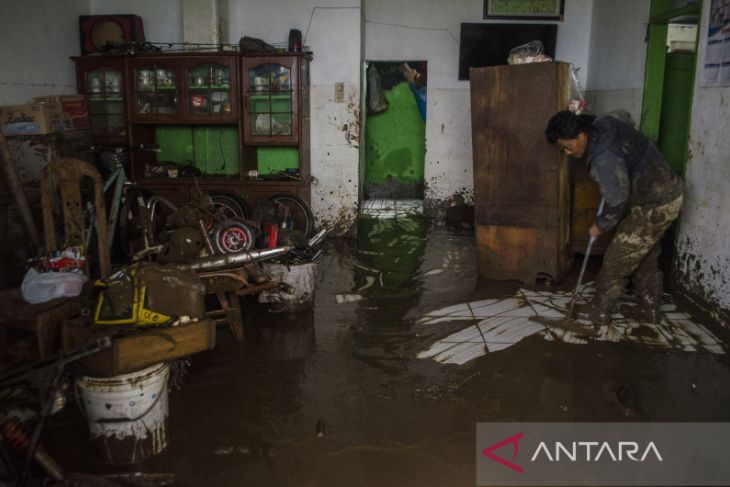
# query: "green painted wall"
(395, 140)
(273, 159)
(213, 150)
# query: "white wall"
(618, 56)
(162, 19)
(332, 30)
(703, 247)
(429, 30)
(38, 38)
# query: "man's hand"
(410, 74)
(595, 231)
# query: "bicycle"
(127, 212)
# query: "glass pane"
(280, 77)
(281, 103)
(260, 124)
(97, 105)
(98, 125)
(144, 78)
(144, 103)
(165, 103)
(115, 107)
(281, 124)
(260, 103)
(165, 78)
(112, 82)
(94, 81)
(221, 77)
(258, 78)
(220, 102)
(199, 77)
(116, 125)
(200, 103)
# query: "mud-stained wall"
(449, 169)
(703, 247)
(331, 29)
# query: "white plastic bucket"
(127, 414)
(299, 276)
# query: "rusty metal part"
(206, 237)
(258, 288)
(16, 188)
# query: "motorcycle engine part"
(183, 245)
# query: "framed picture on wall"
(524, 9)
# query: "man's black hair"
(567, 125)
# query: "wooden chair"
(62, 176)
(67, 175)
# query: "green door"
(676, 106)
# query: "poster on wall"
(716, 69)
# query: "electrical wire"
(314, 9)
(402, 26)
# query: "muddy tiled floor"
(381, 382)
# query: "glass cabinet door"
(106, 102)
(209, 90)
(155, 87)
(271, 99)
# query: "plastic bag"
(39, 287)
(532, 52)
(577, 103)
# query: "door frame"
(660, 14)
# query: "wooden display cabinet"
(255, 108)
(183, 88)
(103, 81)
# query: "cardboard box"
(32, 119)
(75, 110)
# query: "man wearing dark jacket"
(642, 196)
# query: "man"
(642, 196)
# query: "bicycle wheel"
(229, 205)
(232, 236)
(292, 213)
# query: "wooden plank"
(144, 348)
(508, 253)
(516, 170)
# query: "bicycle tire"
(229, 205)
(232, 236)
(292, 213)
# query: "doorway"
(668, 90)
(669, 80)
(394, 134)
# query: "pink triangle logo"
(514, 441)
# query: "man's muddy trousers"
(634, 254)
